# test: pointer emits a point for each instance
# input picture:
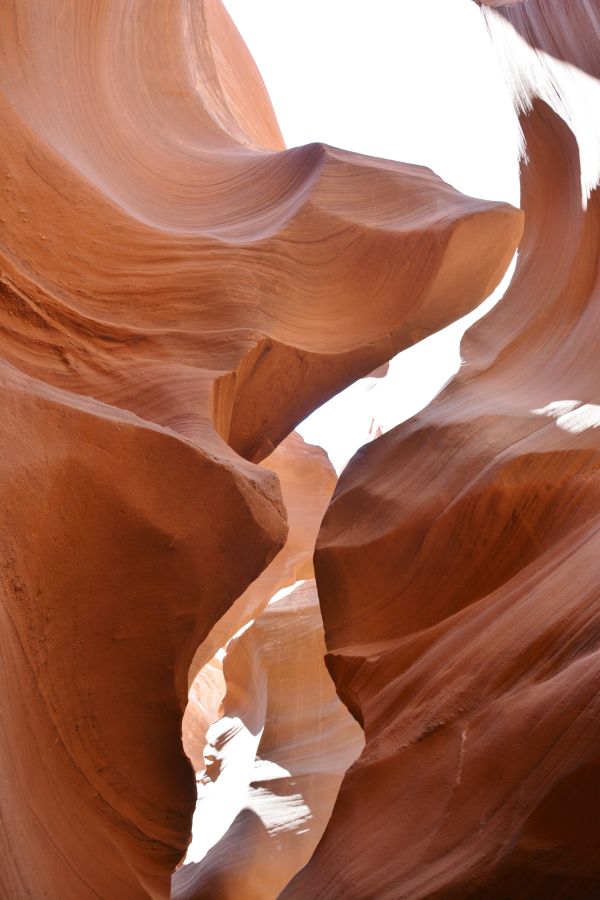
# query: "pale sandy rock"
(279, 692)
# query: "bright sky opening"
(416, 82)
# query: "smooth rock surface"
(307, 480)
(178, 291)
(457, 565)
(458, 572)
(280, 702)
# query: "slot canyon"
(229, 671)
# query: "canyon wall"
(457, 565)
(178, 292)
(282, 721)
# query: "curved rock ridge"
(115, 563)
(280, 705)
(458, 575)
(551, 50)
(205, 706)
(177, 289)
(307, 480)
(157, 241)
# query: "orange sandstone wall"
(457, 565)
(178, 291)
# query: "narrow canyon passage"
(298, 586)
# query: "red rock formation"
(307, 481)
(111, 572)
(279, 690)
(280, 276)
(458, 566)
(176, 289)
(458, 571)
(204, 707)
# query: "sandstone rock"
(307, 481)
(457, 564)
(458, 574)
(178, 291)
(281, 700)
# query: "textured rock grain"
(459, 579)
(457, 567)
(178, 290)
(307, 480)
(279, 690)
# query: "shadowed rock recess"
(177, 292)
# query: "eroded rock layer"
(281, 703)
(458, 571)
(307, 480)
(176, 289)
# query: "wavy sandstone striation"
(307, 480)
(177, 292)
(281, 704)
(274, 674)
(166, 252)
(458, 572)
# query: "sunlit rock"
(178, 292)
(458, 564)
(281, 715)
